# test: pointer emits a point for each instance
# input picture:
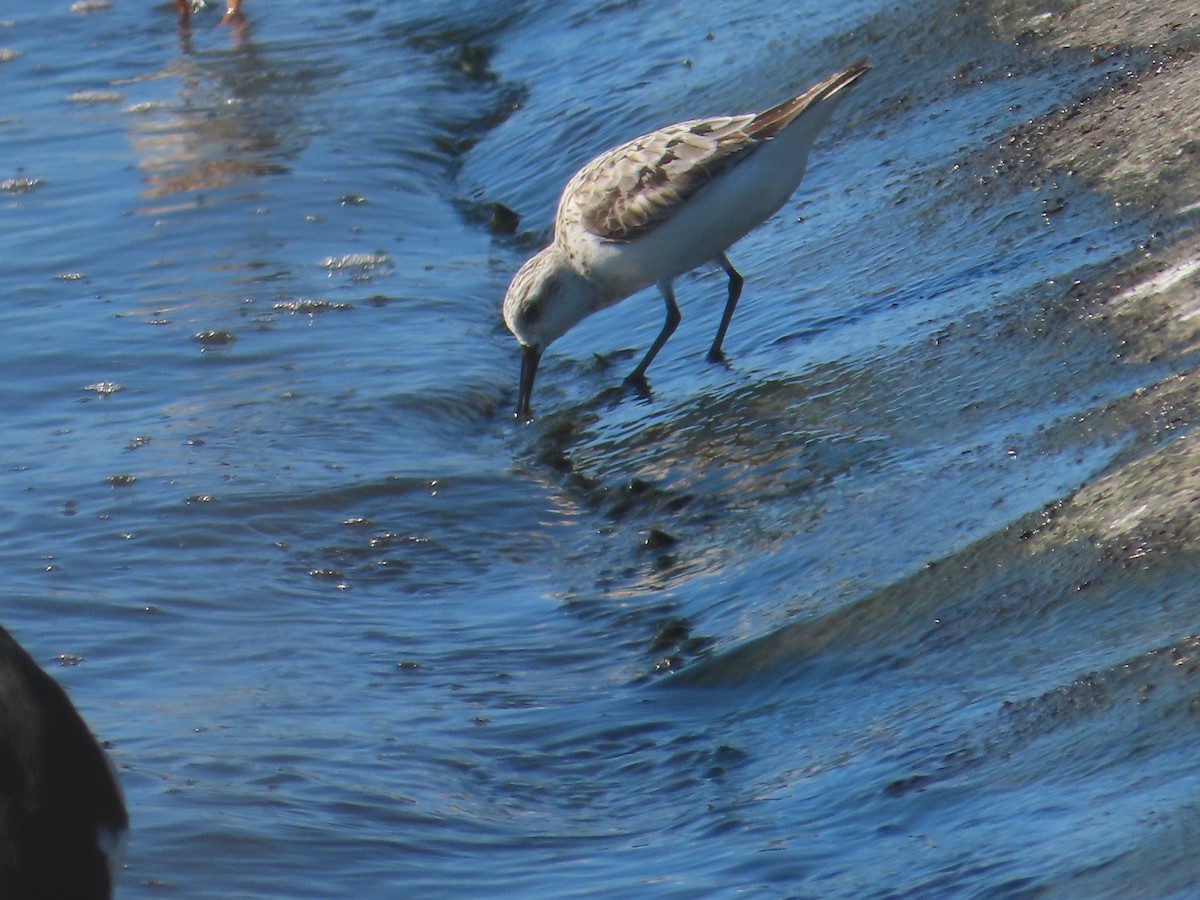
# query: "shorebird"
(660, 205)
(62, 817)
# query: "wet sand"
(1139, 143)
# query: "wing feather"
(628, 191)
(625, 192)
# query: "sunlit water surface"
(349, 630)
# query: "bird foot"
(233, 13)
(636, 383)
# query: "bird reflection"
(235, 117)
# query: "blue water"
(348, 630)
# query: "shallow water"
(350, 631)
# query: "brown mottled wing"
(626, 192)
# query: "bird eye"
(532, 312)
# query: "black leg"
(715, 354)
(638, 375)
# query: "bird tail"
(770, 122)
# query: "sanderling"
(660, 205)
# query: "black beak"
(530, 357)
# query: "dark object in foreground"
(62, 817)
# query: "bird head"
(544, 301)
